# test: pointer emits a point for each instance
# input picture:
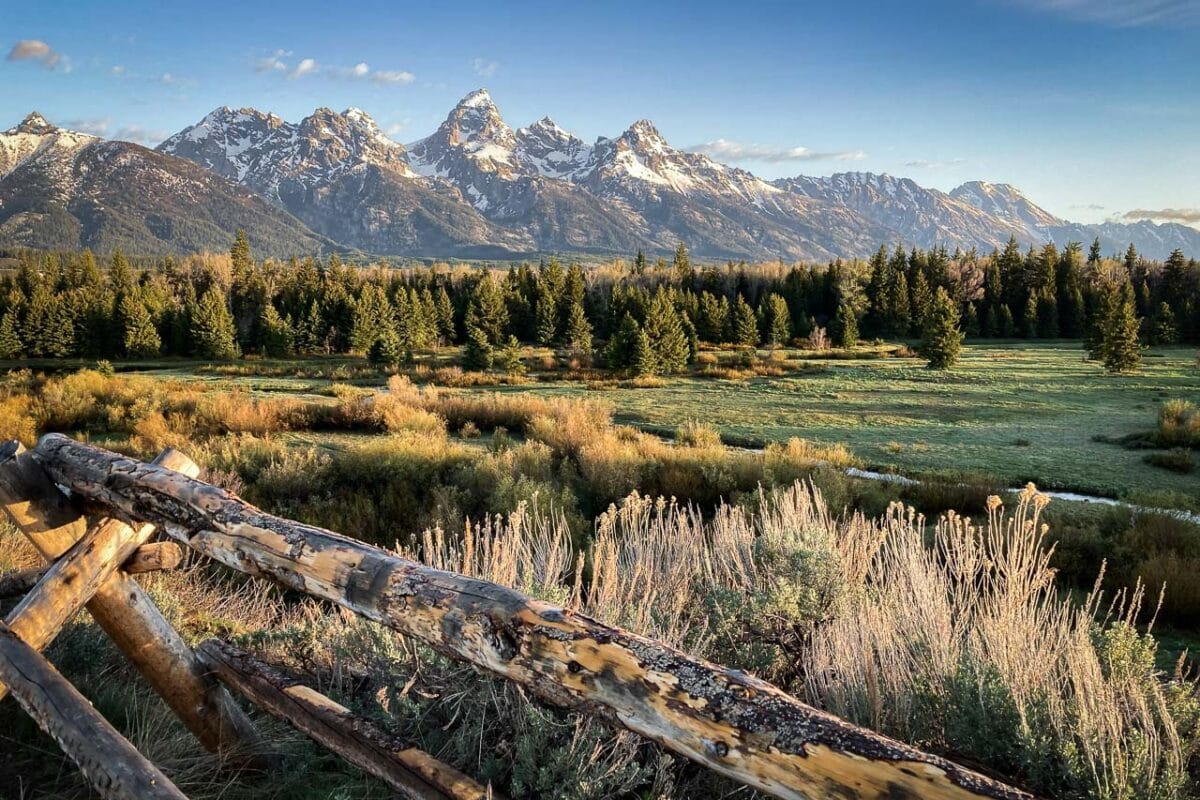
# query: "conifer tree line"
(646, 318)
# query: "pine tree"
(844, 329)
(212, 327)
(681, 265)
(141, 339)
(665, 333)
(639, 263)
(510, 357)
(777, 321)
(920, 301)
(693, 338)
(10, 337)
(743, 323)
(1122, 350)
(579, 332)
(620, 350)
(477, 355)
(488, 311)
(372, 316)
(942, 339)
(1162, 327)
(120, 276)
(1106, 304)
(546, 320)
(49, 330)
(970, 321)
(1007, 325)
(643, 360)
(239, 256)
(1029, 327)
(445, 315)
(713, 318)
(276, 336)
(387, 350)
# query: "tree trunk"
(411, 772)
(110, 763)
(723, 719)
(124, 611)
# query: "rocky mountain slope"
(65, 189)
(476, 187)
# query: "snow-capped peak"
(474, 138)
(476, 99)
(550, 151)
(34, 123)
(265, 153)
(1008, 203)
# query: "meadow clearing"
(1009, 413)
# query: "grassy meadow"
(710, 511)
(1009, 413)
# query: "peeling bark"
(412, 773)
(153, 557)
(110, 763)
(723, 719)
(125, 612)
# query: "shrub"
(1179, 424)
(1178, 459)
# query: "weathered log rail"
(723, 719)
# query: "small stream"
(1070, 497)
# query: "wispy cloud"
(39, 52)
(281, 62)
(274, 62)
(140, 135)
(922, 163)
(1087, 207)
(96, 127)
(171, 79)
(118, 71)
(393, 77)
(1121, 13)
(1187, 216)
(103, 127)
(728, 150)
(306, 66)
(484, 68)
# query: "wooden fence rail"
(723, 719)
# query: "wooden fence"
(91, 513)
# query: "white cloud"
(307, 66)
(727, 150)
(38, 51)
(96, 127)
(273, 62)
(118, 71)
(484, 68)
(103, 127)
(922, 163)
(139, 135)
(1186, 216)
(393, 77)
(1121, 13)
(280, 62)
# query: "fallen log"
(410, 772)
(723, 719)
(152, 557)
(52, 523)
(110, 763)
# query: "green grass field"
(1015, 412)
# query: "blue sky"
(1090, 106)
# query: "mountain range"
(476, 187)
